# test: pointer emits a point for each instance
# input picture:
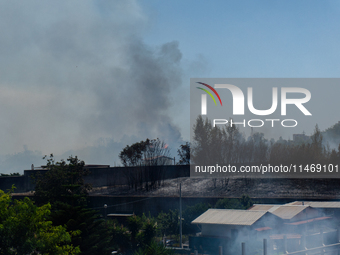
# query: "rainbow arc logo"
(209, 93)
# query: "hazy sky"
(89, 77)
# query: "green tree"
(138, 235)
(64, 187)
(25, 229)
(191, 213)
(120, 237)
(234, 203)
(62, 182)
(154, 249)
(94, 237)
(168, 223)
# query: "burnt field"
(234, 187)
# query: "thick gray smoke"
(76, 78)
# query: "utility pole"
(105, 209)
(180, 215)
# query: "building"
(290, 227)
(228, 228)
(301, 138)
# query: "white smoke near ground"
(76, 73)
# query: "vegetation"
(154, 249)
(61, 223)
(244, 203)
(191, 213)
(184, 154)
(62, 183)
(216, 145)
(25, 229)
(63, 186)
(168, 223)
(11, 174)
(137, 237)
(144, 156)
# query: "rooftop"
(264, 207)
(229, 217)
(326, 204)
(288, 212)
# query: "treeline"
(226, 145)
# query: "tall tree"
(64, 187)
(184, 154)
(62, 182)
(144, 156)
(132, 155)
(140, 233)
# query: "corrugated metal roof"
(229, 217)
(263, 207)
(308, 221)
(317, 204)
(288, 211)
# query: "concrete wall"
(6, 183)
(111, 176)
(98, 177)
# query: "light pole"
(180, 215)
(105, 209)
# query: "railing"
(318, 250)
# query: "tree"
(64, 187)
(136, 237)
(184, 154)
(25, 229)
(317, 148)
(154, 249)
(201, 142)
(132, 155)
(168, 223)
(219, 145)
(260, 147)
(234, 203)
(62, 182)
(94, 236)
(191, 213)
(145, 156)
